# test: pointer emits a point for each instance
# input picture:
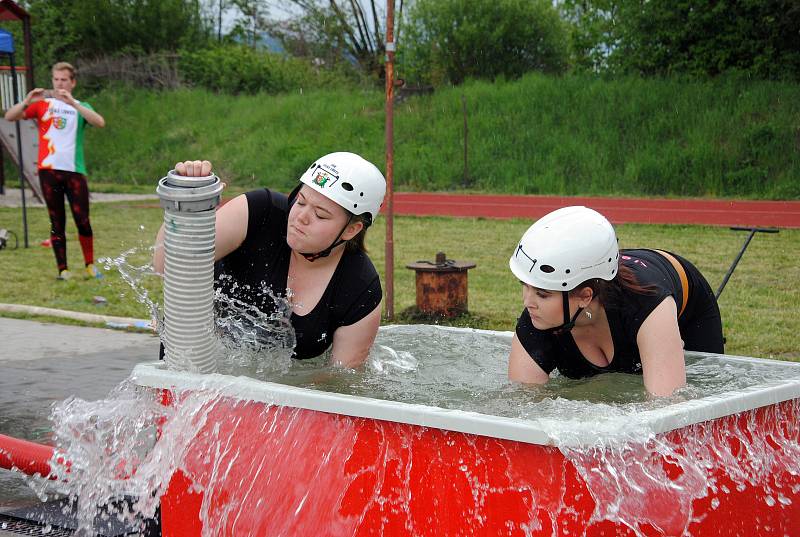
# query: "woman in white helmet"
(309, 247)
(591, 309)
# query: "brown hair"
(64, 66)
(356, 244)
(608, 292)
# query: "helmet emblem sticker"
(323, 178)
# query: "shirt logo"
(59, 122)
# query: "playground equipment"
(14, 82)
(7, 49)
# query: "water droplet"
(769, 500)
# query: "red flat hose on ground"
(28, 457)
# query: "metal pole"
(390, 160)
(465, 181)
(2, 174)
(27, 40)
(753, 231)
(21, 161)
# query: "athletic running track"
(782, 214)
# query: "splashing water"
(126, 446)
(664, 481)
(252, 342)
(129, 444)
(249, 458)
(134, 275)
(248, 341)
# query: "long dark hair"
(609, 292)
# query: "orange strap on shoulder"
(681, 275)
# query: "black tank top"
(625, 314)
(262, 261)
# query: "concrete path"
(13, 197)
(34, 340)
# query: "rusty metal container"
(442, 285)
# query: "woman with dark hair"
(591, 309)
(307, 248)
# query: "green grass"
(28, 275)
(759, 304)
(569, 135)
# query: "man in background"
(62, 168)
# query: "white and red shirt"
(60, 135)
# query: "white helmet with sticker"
(566, 248)
(350, 181)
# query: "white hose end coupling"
(189, 239)
(189, 194)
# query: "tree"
(75, 30)
(72, 29)
(709, 37)
(339, 30)
(696, 37)
(255, 21)
(457, 39)
(214, 11)
(591, 27)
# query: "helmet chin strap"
(327, 251)
(568, 323)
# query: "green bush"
(78, 31)
(567, 135)
(238, 69)
(452, 40)
(757, 38)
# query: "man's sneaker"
(93, 273)
(64, 275)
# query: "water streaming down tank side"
(279, 460)
(189, 233)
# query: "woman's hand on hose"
(194, 168)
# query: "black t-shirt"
(625, 314)
(262, 261)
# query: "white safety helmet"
(565, 248)
(350, 181)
